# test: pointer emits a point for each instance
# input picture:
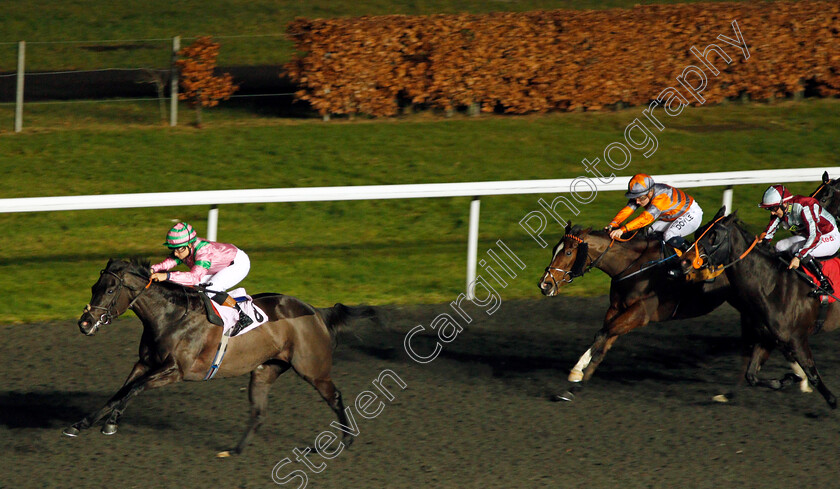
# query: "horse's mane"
(768, 251)
(142, 268)
(637, 242)
(137, 266)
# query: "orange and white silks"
(667, 204)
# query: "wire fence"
(104, 72)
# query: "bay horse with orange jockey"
(179, 343)
(640, 290)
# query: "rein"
(698, 262)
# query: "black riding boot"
(243, 322)
(675, 268)
(815, 268)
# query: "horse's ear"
(720, 213)
(825, 177)
(586, 231)
(110, 262)
(568, 227)
(732, 215)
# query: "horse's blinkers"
(716, 253)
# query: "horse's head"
(828, 195)
(713, 247)
(567, 261)
(111, 294)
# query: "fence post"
(472, 245)
(727, 200)
(21, 64)
(212, 223)
(173, 86)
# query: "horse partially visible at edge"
(179, 343)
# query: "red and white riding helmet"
(775, 195)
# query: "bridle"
(714, 250)
(107, 316)
(579, 267)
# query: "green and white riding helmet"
(181, 234)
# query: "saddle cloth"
(831, 270)
(230, 315)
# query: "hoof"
(575, 376)
(71, 431)
(564, 397)
(224, 454)
(109, 429)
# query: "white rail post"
(727, 200)
(212, 223)
(173, 83)
(21, 66)
(472, 245)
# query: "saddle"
(212, 315)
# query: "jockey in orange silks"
(667, 210)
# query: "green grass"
(378, 252)
(65, 35)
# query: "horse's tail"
(339, 315)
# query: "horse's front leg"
(760, 353)
(616, 323)
(166, 373)
(96, 416)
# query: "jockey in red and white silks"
(815, 230)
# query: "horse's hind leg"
(802, 354)
(332, 396)
(261, 379)
(801, 377)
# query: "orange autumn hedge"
(561, 59)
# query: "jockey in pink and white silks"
(814, 228)
(219, 265)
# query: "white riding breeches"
(828, 245)
(682, 226)
(228, 277)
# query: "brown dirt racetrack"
(476, 416)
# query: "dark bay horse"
(828, 195)
(636, 297)
(776, 299)
(179, 343)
